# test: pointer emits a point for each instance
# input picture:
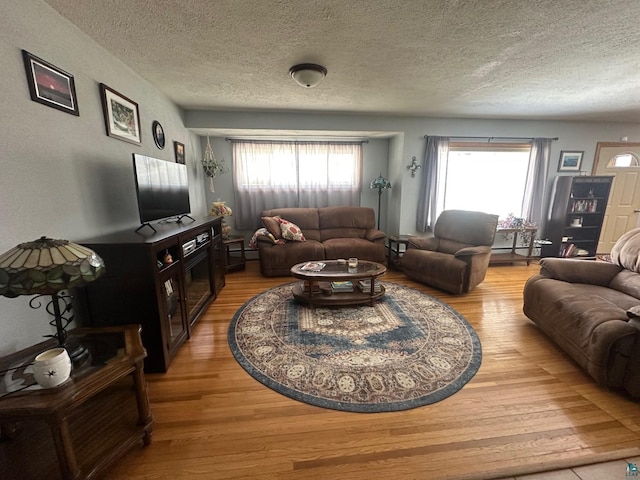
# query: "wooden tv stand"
(162, 280)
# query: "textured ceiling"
(537, 59)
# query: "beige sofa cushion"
(626, 251)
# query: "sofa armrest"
(374, 234)
(265, 240)
(468, 251)
(423, 243)
(579, 271)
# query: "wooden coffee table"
(315, 287)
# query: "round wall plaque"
(158, 134)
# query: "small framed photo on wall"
(179, 149)
(570, 161)
(50, 85)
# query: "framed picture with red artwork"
(50, 85)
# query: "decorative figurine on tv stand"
(219, 208)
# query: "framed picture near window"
(50, 85)
(121, 115)
(179, 150)
(570, 161)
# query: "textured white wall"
(60, 175)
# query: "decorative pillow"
(272, 224)
(261, 232)
(290, 231)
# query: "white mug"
(52, 367)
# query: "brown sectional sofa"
(591, 310)
(330, 233)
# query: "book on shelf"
(345, 286)
(589, 206)
(313, 266)
(365, 286)
(309, 287)
(568, 250)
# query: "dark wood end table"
(394, 251)
(77, 429)
(235, 257)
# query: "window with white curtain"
(276, 174)
(486, 177)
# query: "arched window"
(625, 159)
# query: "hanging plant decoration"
(212, 167)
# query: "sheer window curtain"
(429, 197)
(293, 174)
(536, 183)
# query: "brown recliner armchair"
(456, 258)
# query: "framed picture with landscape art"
(50, 85)
(570, 161)
(121, 115)
(179, 149)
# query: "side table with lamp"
(49, 267)
(52, 426)
(78, 428)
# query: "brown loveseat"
(329, 232)
(591, 309)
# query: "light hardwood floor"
(529, 408)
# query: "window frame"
(461, 146)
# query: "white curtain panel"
(431, 197)
(293, 174)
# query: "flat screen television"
(162, 189)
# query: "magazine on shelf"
(346, 286)
(313, 266)
(365, 286)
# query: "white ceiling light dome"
(308, 75)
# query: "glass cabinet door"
(197, 284)
(218, 263)
(173, 311)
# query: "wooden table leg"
(64, 450)
(142, 401)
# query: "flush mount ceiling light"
(308, 74)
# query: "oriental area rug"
(407, 350)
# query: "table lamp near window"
(47, 267)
